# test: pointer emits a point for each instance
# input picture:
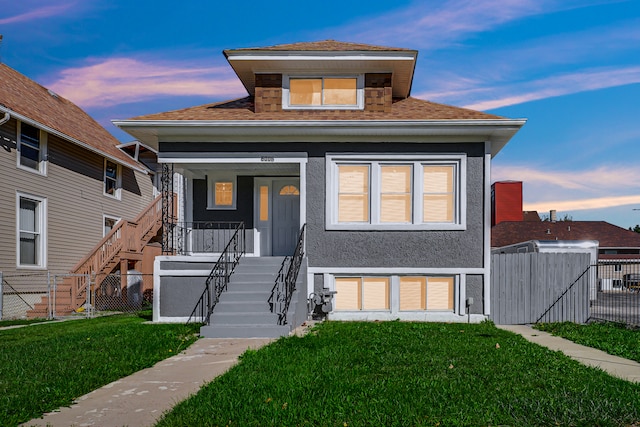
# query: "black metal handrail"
(219, 276)
(285, 284)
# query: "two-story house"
(65, 187)
(394, 191)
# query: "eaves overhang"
(71, 139)
(495, 131)
(401, 64)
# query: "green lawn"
(612, 338)
(409, 374)
(44, 367)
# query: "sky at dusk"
(570, 67)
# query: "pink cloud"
(124, 80)
(43, 12)
(582, 204)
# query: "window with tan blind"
(221, 191)
(353, 193)
(323, 92)
(409, 194)
(362, 293)
(438, 196)
(419, 293)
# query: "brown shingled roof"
(609, 235)
(23, 96)
(323, 45)
(243, 109)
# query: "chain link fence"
(48, 295)
(127, 293)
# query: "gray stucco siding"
(376, 248)
(180, 294)
(395, 249)
(474, 289)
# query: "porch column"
(168, 208)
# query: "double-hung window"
(396, 193)
(31, 231)
(31, 148)
(323, 92)
(111, 179)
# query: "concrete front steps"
(243, 310)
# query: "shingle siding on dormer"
(377, 93)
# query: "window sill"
(42, 171)
(396, 227)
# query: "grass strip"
(48, 366)
(409, 374)
(613, 338)
(18, 322)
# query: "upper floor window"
(405, 193)
(328, 92)
(31, 148)
(111, 179)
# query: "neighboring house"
(618, 248)
(65, 184)
(394, 190)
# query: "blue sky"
(571, 67)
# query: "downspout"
(5, 119)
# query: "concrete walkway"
(613, 365)
(140, 399)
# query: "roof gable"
(25, 99)
(323, 45)
(325, 57)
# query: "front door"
(277, 215)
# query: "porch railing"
(219, 276)
(125, 236)
(203, 236)
(285, 284)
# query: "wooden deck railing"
(126, 236)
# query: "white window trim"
(212, 178)
(359, 92)
(42, 163)
(394, 293)
(362, 278)
(104, 217)
(118, 192)
(43, 231)
(376, 160)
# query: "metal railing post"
(49, 314)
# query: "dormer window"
(328, 92)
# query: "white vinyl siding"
(402, 193)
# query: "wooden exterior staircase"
(125, 242)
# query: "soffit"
(400, 63)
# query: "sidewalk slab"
(615, 366)
(141, 398)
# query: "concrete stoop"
(243, 310)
